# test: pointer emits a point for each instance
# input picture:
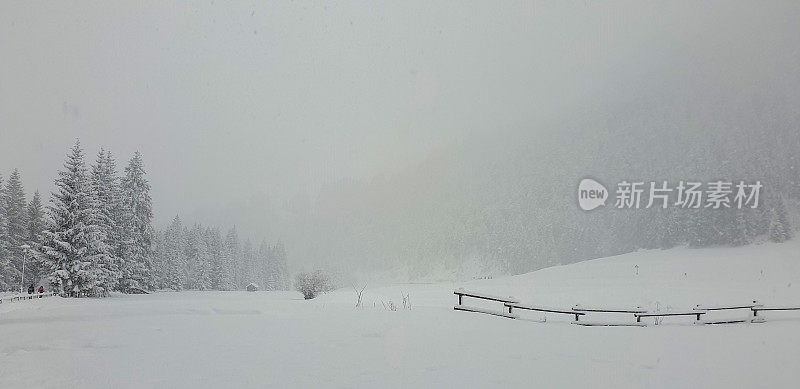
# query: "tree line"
(96, 236)
(201, 258)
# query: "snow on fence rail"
(20, 297)
(694, 312)
(581, 308)
(759, 308)
(461, 293)
(754, 304)
(511, 303)
(543, 309)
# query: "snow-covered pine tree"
(274, 262)
(198, 259)
(696, 228)
(175, 255)
(281, 270)
(190, 249)
(738, 229)
(73, 245)
(672, 228)
(159, 260)
(5, 264)
(137, 229)
(760, 220)
(247, 275)
(114, 208)
(203, 277)
(104, 183)
(779, 229)
(213, 239)
(230, 260)
(263, 263)
(16, 219)
(36, 222)
(273, 276)
(783, 215)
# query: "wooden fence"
(639, 313)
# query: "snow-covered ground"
(276, 339)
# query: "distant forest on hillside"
(507, 204)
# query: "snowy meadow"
(277, 339)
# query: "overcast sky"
(270, 100)
(224, 101)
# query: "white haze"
(274, 116)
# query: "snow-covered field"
(276, 339)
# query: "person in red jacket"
(41, 290)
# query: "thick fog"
(414, 139)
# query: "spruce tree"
(198, 259)
(159, 260)
(16, 219)
(36, 224)
(6, 270)
(174, 255)
(282, 271)
(780, 230)
(230, 261)
(72, 243)
(264, 266)
(216, 262)
(137, 229)
(192, 252)
(246, 264)
(738, 229)
(105, 190)
(671, 229)
(203, 271)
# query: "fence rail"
(543, 309)
(21, 297)
(760, 308)
(581, 308)
(638, 313)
